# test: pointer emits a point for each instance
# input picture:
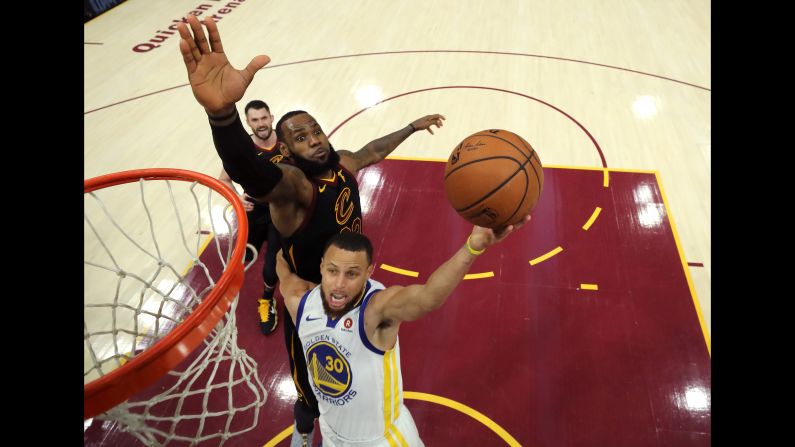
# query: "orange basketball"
(493, 178)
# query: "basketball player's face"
(344, 276)
(261, 122)
(306, 139)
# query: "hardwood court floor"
(615, 87)
(580, 330)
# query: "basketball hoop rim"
(145, 369)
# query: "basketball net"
(163, 266)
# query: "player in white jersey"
(348, 326)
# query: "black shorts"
(259, 219)
(298, 367)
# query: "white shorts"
(404, 425)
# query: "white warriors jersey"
(359, 387)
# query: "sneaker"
(267, 315)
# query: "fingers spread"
(187, 55)
(189, 50)
(215, 36)
(256, 64)
(198, 34)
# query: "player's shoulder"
(298, 178)
(346, 157)
(287, 165)
(349, 161)
(379, 293)
(375, 285)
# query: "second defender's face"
(261, 122)
(306, 139)
(344, 276)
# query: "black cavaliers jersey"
(335, 209)
(271, 154)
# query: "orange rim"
(146, 368)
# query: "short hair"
(288, 115)
(351, 241)
(256, 104)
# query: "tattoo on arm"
(378, 149)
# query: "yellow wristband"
(472, 250)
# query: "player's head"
(346, 266)
(303, 141)
(259, 118)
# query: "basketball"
(493, 178)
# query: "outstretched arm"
(412, 302)
(217, 86)
(291, 286)
(378, 149)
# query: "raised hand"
(427, 121)
(486, 237)
(215, 83)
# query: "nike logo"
(312, 319)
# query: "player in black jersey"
(312, 194)
(260, 227)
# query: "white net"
(154, 250)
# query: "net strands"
(214, 393)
